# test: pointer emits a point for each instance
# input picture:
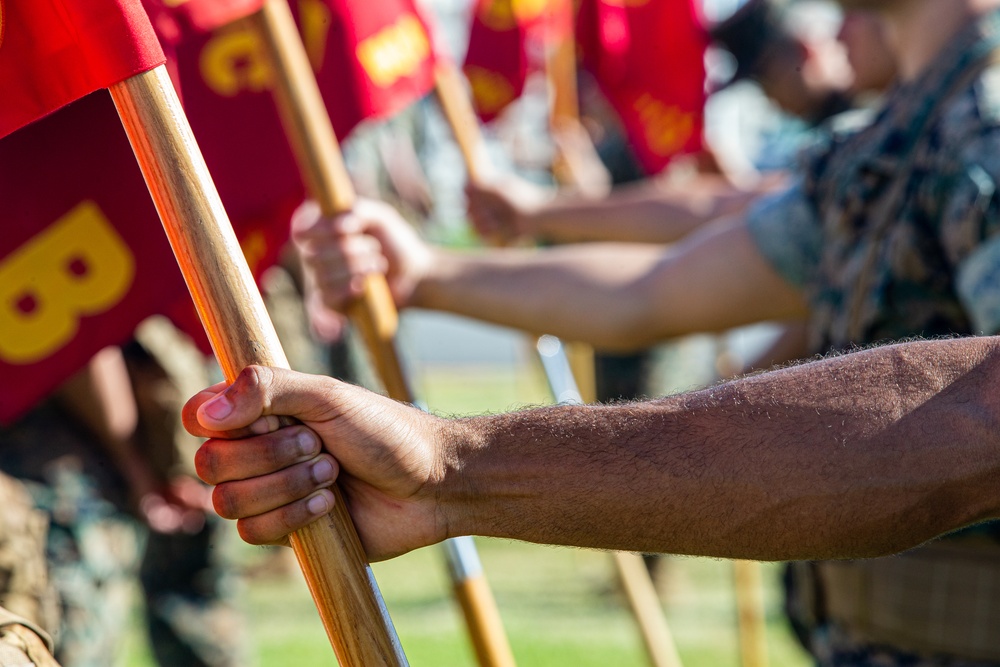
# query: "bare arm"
(645, 213)
(853, 456)
(100, 397)
(616, 296)
(648, 212)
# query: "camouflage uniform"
(28, 600)
(95, 549)
(92, 546)
(22, 643)
(894, 231)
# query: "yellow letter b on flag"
(78, 266)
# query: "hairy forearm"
(853, 456)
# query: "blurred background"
(560, 606)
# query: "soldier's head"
(804, 72)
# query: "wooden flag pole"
(461, 118)
(637, 583)
(631, 568)
(560, 70)
(318, 152)
(750, 613)
(232, 311)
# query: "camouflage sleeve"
(971, 232)
(788, 233)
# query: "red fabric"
(74, 162)
(53, 52)
(226, 92)
(73, 173)
(507, 41)
(648, 58)
(378, 58)
(202, 15)
(372, 59)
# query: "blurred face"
(801, 79)
(863, 35)
(780, 77)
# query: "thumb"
(252, 403)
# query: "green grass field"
(560, 606)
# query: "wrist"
(441, 269)
(459, 493)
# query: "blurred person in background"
(665, 209)
(99, 462)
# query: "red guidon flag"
(83, 257)
(168, 16)
(371, 60)
(61, 264)
(648, 57)
(507, 41)
(55, 51)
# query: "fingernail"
(307, 443)
(318, 505)
(322, 471)
(219, 407)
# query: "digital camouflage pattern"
(28, 601)
(894, 231)
(939, 231)
(92, 548)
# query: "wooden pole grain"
(750, 612)
(318, 153)
(241, 334)
(460, 116)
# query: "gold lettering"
(491, 91)
(315, 18)
(78, 266)
(394, 52)
(232, 62)
(501, 15)
(667, 128)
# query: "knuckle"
(205, 464)
(256, 381)
(224, 502)
(249, 533)
(299, 482)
